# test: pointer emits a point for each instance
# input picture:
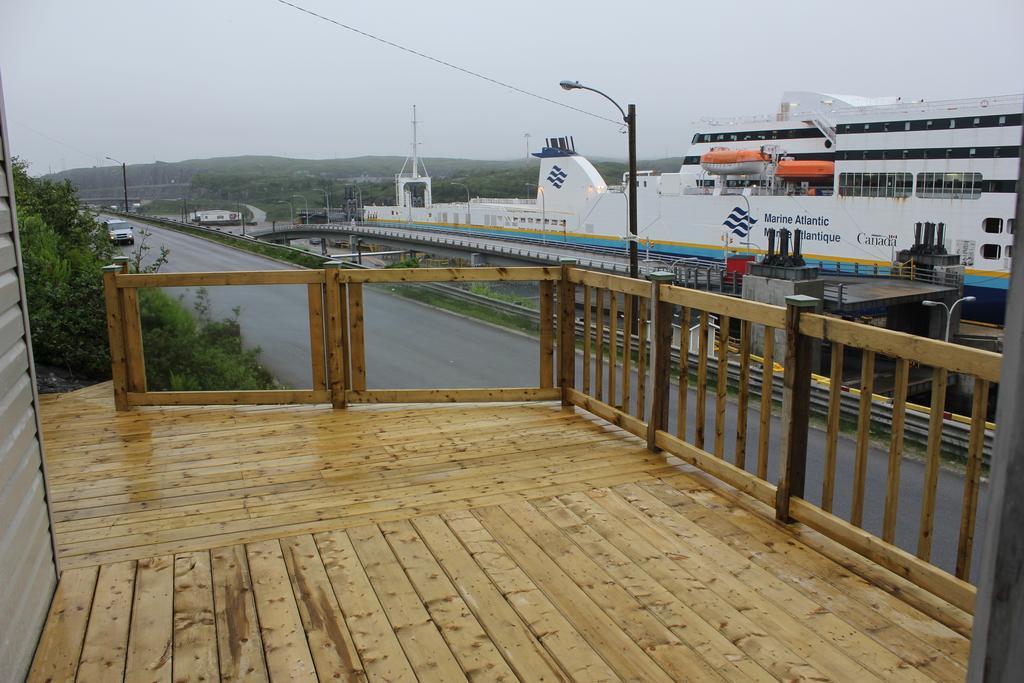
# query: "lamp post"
(327, 198)
(124, 180)
(305, 219)
(629, 118)
(949, 310)
(469, 221)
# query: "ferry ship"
(854, 174)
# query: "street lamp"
(305, 219)
(629, 117)
(949, 310)
(327, 198)
(124, 180)
(469, 221)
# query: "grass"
(480, 312)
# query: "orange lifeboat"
(800, 169)
(724, 161)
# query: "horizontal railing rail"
(631, 360)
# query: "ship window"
(707, 138)
(1011, 223)
(696, 136)
(990, 251)
(973, 152)
(949, 185)
(906, 125)
(875, 184)
(952, 123)
(977, 121)
(1002, 120)
(993, 225)
(928, 125)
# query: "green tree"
(63, 250)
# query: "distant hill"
(278, 185)
(166, 180)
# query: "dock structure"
(552, 531)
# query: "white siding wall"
(28, 575)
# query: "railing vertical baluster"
(931, 469)
(899, 412)
(835, 400)
(684, 372)
(972, 478)
(744, 396)
(567, 332)
(613, 343)
(356, 342)
(547, 334)
(315, 298)
(641, 358)
(335, 317)
(767, 389)
(661, 363)
(115, 333)
(700, 417)
(796, 407)
(599, 343)
(860, 466)
(629, 302)
(586, 339)
(721, 384)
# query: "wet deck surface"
(441, 543)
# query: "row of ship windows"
(929, 185)
(1002, 152)
(932, 124)
(875, 127)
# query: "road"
(409, 345)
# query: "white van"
(119, 231)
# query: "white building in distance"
(216, 217)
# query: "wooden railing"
(336, 335)
(630, 356)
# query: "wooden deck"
(444, 543)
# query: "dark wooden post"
(336, 361)
(996, 652)
(115, 333)
(661, 350)
(796, 404)
(566, 331)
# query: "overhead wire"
(442, 62)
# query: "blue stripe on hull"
(990, 292)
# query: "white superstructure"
(855, 174)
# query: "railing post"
(796, 403)
(566, 331)
(115, 333)
(336, 361)
(661, 349)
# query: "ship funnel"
(917, 234)
(940, 239)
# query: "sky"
(141, 81)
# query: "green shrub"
(192, 351)
(63, 250)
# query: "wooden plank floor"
(443, 543)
